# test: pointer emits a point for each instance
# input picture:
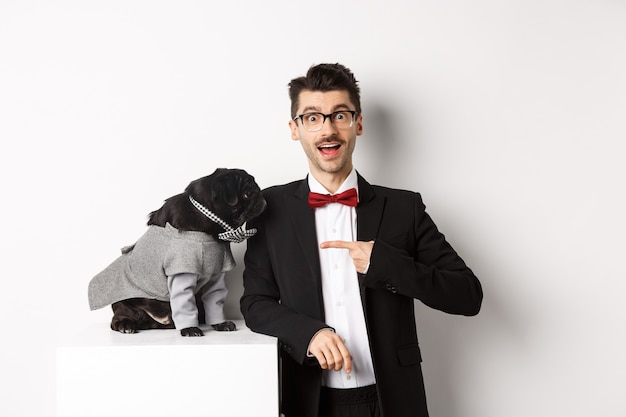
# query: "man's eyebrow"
(314, 109)
(309, 109)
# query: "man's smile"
(329, 149)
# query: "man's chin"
(334, 167)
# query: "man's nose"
(328, 127)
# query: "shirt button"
(348, 377)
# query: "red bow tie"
(348, 197)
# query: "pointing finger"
(339, 244)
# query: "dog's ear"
(201, 188)
(224, 189)
(215, 189)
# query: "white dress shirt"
(340, 288)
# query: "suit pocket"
(398, 240)
(409, 355)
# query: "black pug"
(173, 276)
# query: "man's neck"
(331, 181)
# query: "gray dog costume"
(169, 265)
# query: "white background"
(508, 117)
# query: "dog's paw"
(227, 326)
(191, 332)
(124, 326)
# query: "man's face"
(329, 150)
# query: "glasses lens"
(342, 118)
(312, 121)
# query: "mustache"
(331, 139)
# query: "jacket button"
(391, 288)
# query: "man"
(334, 277)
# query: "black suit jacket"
(410, 260)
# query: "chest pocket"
(398, 240)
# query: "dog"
(173, 276)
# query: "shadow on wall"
(448, 342)
(380, 147)
(441, 344)
(452, 346)
(234, 281)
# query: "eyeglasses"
(313, 122)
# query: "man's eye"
(312, 118)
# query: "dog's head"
(232, 194)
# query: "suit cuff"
(308, 349)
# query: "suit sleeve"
(425, 267)
(262, 307)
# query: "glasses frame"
(325, 116)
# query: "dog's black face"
(232, 194)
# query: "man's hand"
(360, 252)
(330, 351)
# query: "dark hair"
(325, 77)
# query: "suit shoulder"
(279, 190)
(396, 192)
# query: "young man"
(336, 264)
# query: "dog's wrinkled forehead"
(227, 186)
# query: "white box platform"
(160, 373)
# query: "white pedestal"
(160, 373)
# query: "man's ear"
(293, 126)
(359, 125)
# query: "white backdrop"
(508, 117)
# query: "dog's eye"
(246, 195)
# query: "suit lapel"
(369, 211)
(302, 218)
(369, 215)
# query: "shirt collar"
(350, 182)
